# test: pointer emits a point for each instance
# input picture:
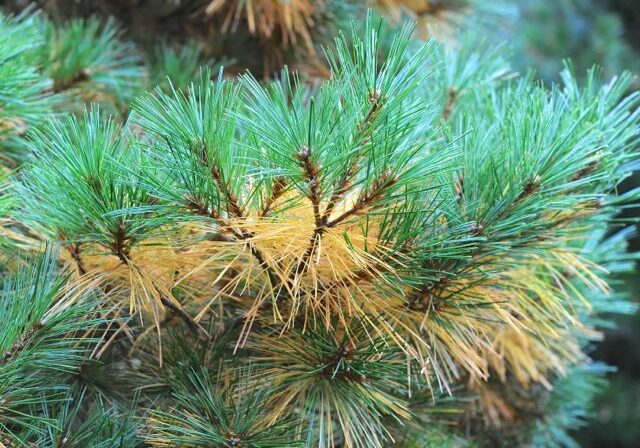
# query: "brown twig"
(82, 75)
(310, 170)
(426, 298)
(178, 310)
(239, 236)
(22, 342)
(278, 187)
(74, 250)
(120, 247)
(452, 97)
(530, 187)
(585, 171)
(233, 205)
(375, 100)
(363, 128)
(459, 187)
(341, 189)
(311, 175)
(121, 250)
(379, 186)
(365, 201)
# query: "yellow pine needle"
(494, 409)
(525, 321)
(291, 19)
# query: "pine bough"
(415, 253)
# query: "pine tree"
(413, 252)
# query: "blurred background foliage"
(180, 35)
(605, 32)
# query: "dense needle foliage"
(415, 251)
